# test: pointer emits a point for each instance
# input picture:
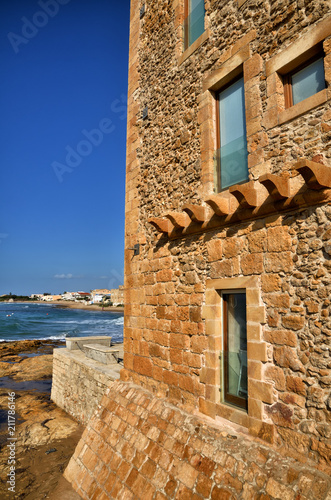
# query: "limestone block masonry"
(138, 446)
(79, 383)
(269, 237)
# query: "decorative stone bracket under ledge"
(253, 199)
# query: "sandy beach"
(44, 434)
(76, 305)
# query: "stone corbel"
(161, 225)
(220, 204)
(278, 187)
(196, 213)
(246, 194)
(316, 176)
(178, 219)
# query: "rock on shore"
(46, 435)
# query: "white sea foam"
(64, 322)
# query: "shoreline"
(71, 305)
(93, 307)
(44, 433)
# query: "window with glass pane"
(232, 144)
(194, 24)
(235, 349)
(308, 81)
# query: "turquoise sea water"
(45, 321)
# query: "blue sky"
(63, 87)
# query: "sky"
(63, 88)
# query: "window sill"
(235, 415)
(303, 106)
(195, 45)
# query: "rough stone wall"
(167, 347)
(77, 387)
(137, 446)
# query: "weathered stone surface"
(172, 454)
(281, 337)
(293, 322)
(276, 375)
(80, 382)
(286, 357)
(296, 384)
(281, 415)
(279, 240)
(278, 236)
(29, 369)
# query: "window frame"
(218, 183)
(287, 78)
(226, 397)
(259, 389)
(187, 45)
(313, 41)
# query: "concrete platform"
(73, 343)
(101, 353)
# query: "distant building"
(98, 295)
(117, 296)
(51, 298)
(83, 295)
(69, 295)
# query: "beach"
(41, 433)
(71, 304)
(67, 304)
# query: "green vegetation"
(16, 298)
(105, 304)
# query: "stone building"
(246, 220)
(228, 245)
(117, 296)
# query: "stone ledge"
(195, 45)
(103, 354)
(302, 107)
(74, 343)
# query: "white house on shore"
(98, 295)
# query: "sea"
(22, 321)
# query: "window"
(304, 82)
(234, 357)
(194, 23)
(231, 136)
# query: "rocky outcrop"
(45, 435)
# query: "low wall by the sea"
(79, 383)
